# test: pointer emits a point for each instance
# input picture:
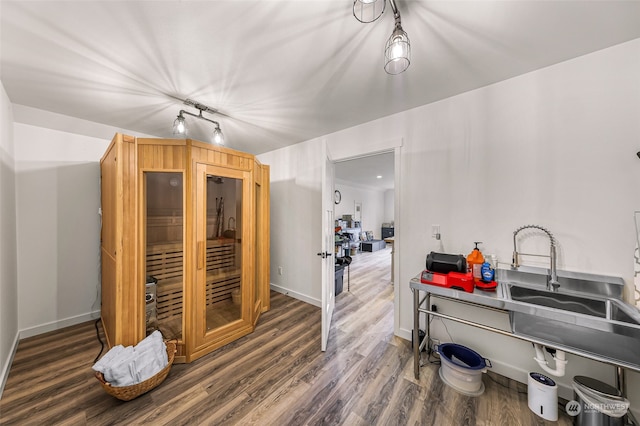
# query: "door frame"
(343, 153)
(327, 246)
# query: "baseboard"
(56, 325)
(4, 374)
(405, 334)
(296, 295)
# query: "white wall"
(389, 205)
(372, 206)
(555, 147)
(58, 226)
(58, 197)
(8, 262)
(296, 237)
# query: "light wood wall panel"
(131, 331)
(164, 154)
(221, 156)
(265, 238)
(108, 237)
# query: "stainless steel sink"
(587, 312)
(570, 282)
(611, 309)
(567, 302)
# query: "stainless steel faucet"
(552, 283)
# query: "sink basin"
(610, 309)
(587, 313)
(578, 282)
(567, 302)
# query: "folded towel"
(134, 364)
(118, 372)
(149, 363)
(153, 340)
(107, 358)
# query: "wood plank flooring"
(275, 376)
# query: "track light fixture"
(180, 125)
(397, 52)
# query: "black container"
(444, 263)
(339, 280)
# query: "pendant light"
(368, 10)
(397, 52)
(179, 126)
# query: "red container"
(461, 281)
(455, 280)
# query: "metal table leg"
(416, 338)
(427, 333)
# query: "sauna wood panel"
(118, 195)
(130, 330)
(180, 291)
(161, 156)
(263, 240)
(108, 197)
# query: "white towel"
(118, 372)
(152, 356)
(107, 358)
(152, 340)
(134, 364)
(149, 363)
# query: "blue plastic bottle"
(487, 272)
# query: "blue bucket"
(462, 356)
(461, 368)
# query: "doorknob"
(324, 255)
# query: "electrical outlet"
(433, 343)
(280, 270)
(435, 231)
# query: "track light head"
(368, 10)
(179, 125)
(397, 53)
(218, 137)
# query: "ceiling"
(370, 172)
(279, 72)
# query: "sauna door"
(224, 258)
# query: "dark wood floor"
(275, 376)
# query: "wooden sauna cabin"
(184, 244)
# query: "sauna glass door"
(164, 252)
(222, 252)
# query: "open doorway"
(364, 211)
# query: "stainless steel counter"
(499, 300)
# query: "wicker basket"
(127, 393)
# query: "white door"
(327, 255)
